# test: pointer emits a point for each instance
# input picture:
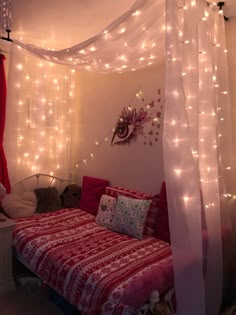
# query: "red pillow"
(151, 220)
(162, 227)
(92, 190)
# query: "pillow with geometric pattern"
(151, 220)
(130, 216)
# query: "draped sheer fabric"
(195, 134)
(133, 41)
(41, 121)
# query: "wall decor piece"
(144, 121)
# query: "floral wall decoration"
(143, 122)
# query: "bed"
(97, 269)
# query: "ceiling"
(229, 7)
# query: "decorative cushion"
(130, 216)
(162, 227)
(92, 190)
(29, 196)
(15, 207)
(47, 199)
(151, 220)
(106, 211)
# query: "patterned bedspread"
(97, 270)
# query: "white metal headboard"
(39, 181)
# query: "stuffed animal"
(162, 306)
(71, 196)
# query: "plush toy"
(161, 307)
(71, 196)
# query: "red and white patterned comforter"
(97, 270)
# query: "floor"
(30, 299)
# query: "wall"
(101, 99)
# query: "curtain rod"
(8, 36)
(220, 5)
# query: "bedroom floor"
(28, 301)
(32, 298)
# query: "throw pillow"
(151, 220)
(106, 211)
(15, 207)
(92, 190)
(47, 199)
(29, 196)
(130, 216)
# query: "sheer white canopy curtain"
(197, 143)
(197, 137)
(41, 116)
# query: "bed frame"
(40, 180)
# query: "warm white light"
(19, 66)
(136, 13)
(122, 30)
(178, 172)
(186, 199)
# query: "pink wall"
(101, 99)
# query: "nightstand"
(6, 278)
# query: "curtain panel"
(4, 179)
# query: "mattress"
(97, 270)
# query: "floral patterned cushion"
(130, 216)
(152, 216)
(106, 211)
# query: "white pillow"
(29, 196)
(16, 207)
(106, 211)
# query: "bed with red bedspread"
(97, 270)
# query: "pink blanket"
(97, 270)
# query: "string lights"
(197, 147)
(41, 114)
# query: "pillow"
(92, 190)
(106, 211)
(29, 196)
(130, 216)
(151, 220)
(15, 207)
(162, 227)
(47, 199)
